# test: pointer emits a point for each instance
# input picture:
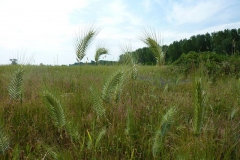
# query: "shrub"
(216, 64)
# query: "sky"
(45, 31)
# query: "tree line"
(225, 42)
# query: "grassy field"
(108, 112)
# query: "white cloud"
(110, 20)
(28, 23)
(173, 35)
(118, 26)
(219, 28)
(40, 27)
(47, 27)
(195, 12)
(147, 4)
(119, 12)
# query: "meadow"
(114, 112)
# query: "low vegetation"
(215, 65)
(101, 112)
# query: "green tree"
(14, 61)
(145, 56)
(208, 44)
(194, 43)
(201, 43)
(234, 34)
(227, 46)
(174, 51)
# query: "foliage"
(14, 61)
(215, 64)
(225, 42)
(141, 55)
(125, 58)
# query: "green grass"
(129, 128)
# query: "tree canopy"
(225, 42)
(222, 42)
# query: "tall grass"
(166, 123)
(138, 125)
(58, 116)
(84, 40)
(130, 60)
(199, 106)
(154, 41)
(15, 86)
(113, 86)
(55, 109)
(97, 103)
(100, 51)
(4, 141)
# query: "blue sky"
(45, 30)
